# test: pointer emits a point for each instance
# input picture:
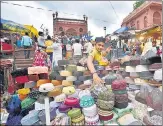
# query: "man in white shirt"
(88, 47)
(77, 51)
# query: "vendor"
(97, 54)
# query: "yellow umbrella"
(32, 30)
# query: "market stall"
(67, 95)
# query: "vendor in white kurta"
(57, 52)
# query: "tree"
(138, 4)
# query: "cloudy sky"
(100, 13)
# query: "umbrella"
(13, 26)
(32, 30)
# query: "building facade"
(70, 27)
(147, 15)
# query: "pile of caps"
(74, 99)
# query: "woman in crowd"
(48, 43)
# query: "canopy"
(13, 26)
(32, 30)
(120, 30)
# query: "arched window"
(138, 25)
(156, 18)
(60, 29)
(145, 22)
(81, 30)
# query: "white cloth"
(57, 53)
(41, 41)
(77, 47)
(68, 47)
(88, 46)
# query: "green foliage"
(138, 4)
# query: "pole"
(47, 111)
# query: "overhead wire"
(90, 17)
(113, 9)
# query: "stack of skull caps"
(105, 103)
(120, 92)
(89, 108)
(77, 118)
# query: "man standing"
(27, 44)
(88, 47)
(77, 51)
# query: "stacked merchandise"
(73, 101)
(89, 110)
(105, 103)
(141, 72)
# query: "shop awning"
(120, 30)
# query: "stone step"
(23, 61)
(23, 65)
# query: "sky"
(100, 13)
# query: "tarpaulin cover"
(122, 29)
